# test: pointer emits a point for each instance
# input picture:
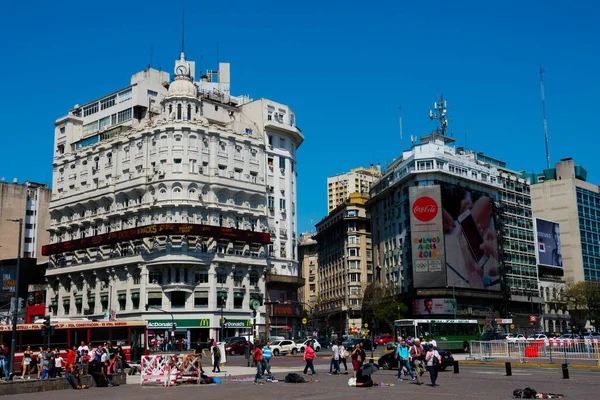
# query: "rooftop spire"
(182, 31)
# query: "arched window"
(192, 193)
(201, 276)
(178, 111)
(253, 278)
(176, 192)
(170, 109)
(238, 277)
(189, 112)
(221, 276)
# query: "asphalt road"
(473, 382)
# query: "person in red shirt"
(71, 357)
(258, 359)
(309, 356)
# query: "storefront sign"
(286, 310)
(238, 323)
(179, 323)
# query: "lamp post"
(13, 343)
(173, 325)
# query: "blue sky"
(344, 67)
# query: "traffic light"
(47, 321)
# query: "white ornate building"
(173, 194)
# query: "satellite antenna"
(439, 113)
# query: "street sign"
(366, 325)
(304, 321)
(532, 318)
(512, 326)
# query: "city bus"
(131, 335)
(450, 334)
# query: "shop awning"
(238, 295)
(155, 295)
(222, 294)
(92, 299)
(201, 295)
(78, 300)
(122, 297)
(135, 295)
(66, 302)
(104, 299)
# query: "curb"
(519, 364)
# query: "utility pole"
(15, 316)
(545, 120)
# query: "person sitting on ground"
(73, 376)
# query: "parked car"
(384, 339)
(511, 337)
(389, 361)
(538, 336)
(237, 347)
(230, 339)
(366, 344)
(301, 346)
(324, 342)
(592, 335)
(569, 336)
(282, 347)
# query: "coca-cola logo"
(425, 209)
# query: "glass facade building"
(588, 209)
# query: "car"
(511, 337)
(229, 339)
(301, 346)
(569, 336)
(324, 342)
(592, 335)
(384, 339)
(389, 361)
(282, 347)
(366, 344)
(237, 347)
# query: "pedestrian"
(267, 353)
(42, 370)
(258, 359)
(358, 358)
(58, 365)
(121, 359)
(404, 361)
(199, 353)
(27, 357)
(343, 355)
(4, 357)
(432, 341)
(85, 362)
(417, 354)
(309, 356)
(216, 354)
(50, 362)
(82, 347)
(334, 364)
(433, 359)
(71, 355)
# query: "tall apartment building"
(159, 198)
(423, 211)
(358, 180)
(345, 263)
(308, 258)
(28, 201)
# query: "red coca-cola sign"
(425, 209)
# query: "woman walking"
(309, 356)
(27, 363)
(433, 359)
(343, 355)
(358, 357)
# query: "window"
(178, 111)
(122, 299)
(353, 240)
(253, 277)
(155, 277)
(282, 204)
(354, 277)
(354, 264)
(281, 162)
(193, 141)
(108, 102)
(192, 165)
(124, 116)
(90, 128)
(189, 112)
(282, 143)
(271, 202)
(125, 95)
(155, 299)
(221, 299)
(200, 299)
(91, 109)
(238, 277)
(135, 300)
(270, 137)
(177, 299)
(353, 252)
(79, 305)
(201, 276)
(136, 277)
(253, 176)
(238, 299)
(177, 165)
(221, 276)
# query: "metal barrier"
(552, 350)
(164, 369)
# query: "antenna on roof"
(182, 30)
(439, 113)
(545, 120)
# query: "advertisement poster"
(427, 237)
(548, 243)
(471, 242)
(433, 306)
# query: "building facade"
(345, 264)
(358, 180)
(308, 258)
(159, 199)
(467, 274)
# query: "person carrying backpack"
(216, 353)
(433, 359)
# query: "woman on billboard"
(471, 243)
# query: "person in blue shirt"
(267, 354)
(404, 360)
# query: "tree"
(583, 302)
(382, 307)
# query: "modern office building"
(308, 258)
(358, 180)
(427, 212)
(345, 263)
(161, 198)
(28, 201)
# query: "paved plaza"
(473, 382)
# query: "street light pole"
(13, 343)
(173, 326)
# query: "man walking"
(404, 361)
(417, 354)
(258, 359)
(334, 364)
(267, 353)
(216, 353)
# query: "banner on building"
(547, 234)
(431, 306)
(471, 241)
(427, 237)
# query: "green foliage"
(583, 302)
(381, 307)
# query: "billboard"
(548, 243)
(471, 241)
(431, 306)
(427, 237)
